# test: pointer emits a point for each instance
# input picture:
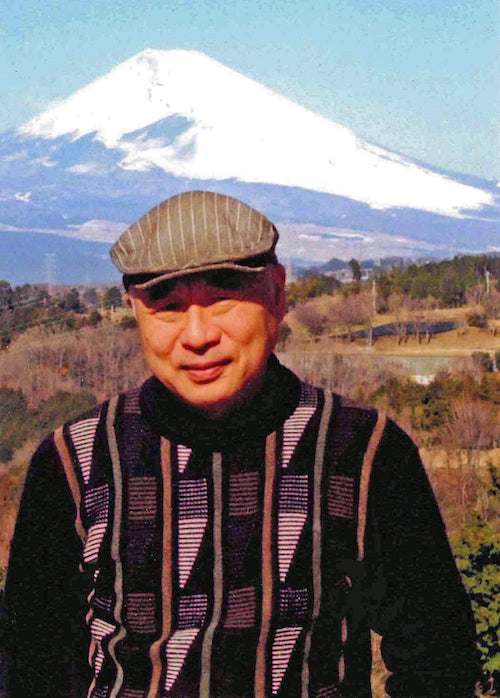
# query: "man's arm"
(46, 635)
(415, 592)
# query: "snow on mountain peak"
(237, 128)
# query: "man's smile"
(207, 371)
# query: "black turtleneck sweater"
(193, 530)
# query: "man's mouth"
(205, 372)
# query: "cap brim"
(196, 270)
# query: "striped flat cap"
(193, 232)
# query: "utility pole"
(487, 275)
(374, 295)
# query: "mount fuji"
(166, 121)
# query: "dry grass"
(11, 483)
(459, 342)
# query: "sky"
(419, 77)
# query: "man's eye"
(172, 307)
(223, 301)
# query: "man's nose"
(199, 331)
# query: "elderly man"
(225, 529)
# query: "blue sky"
(420, 77)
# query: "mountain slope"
(236, 128)
(165, 121)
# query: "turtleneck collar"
(258, 416)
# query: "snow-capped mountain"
(164, 121)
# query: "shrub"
(128, 322)
(284, 333)
(313, 317)
(6, 452)
(478, 557)
(13, 404)
(59, 408)
(477, 320)
(481, 361)
(94, 318)
(477, 553)
(497, 360)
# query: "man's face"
(207, 337)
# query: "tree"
(113, 298)
(71, 302)
(398, 305)
(5, 295)
(311, 286)
(355, 270)
(90, 298)
(352, 310)
(470, 428)
(313, 317)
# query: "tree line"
(61, 308)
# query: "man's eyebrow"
(160, 291)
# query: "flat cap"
(193, 232)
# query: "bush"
(497, 360)
(128, 322)
(478, 559)
(59, 408)
(477, 553)
(13, 404)
(94, 318)
(284, 333)
(477, 320)
(6, 452)
(482, 361)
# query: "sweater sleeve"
(420, 607)
(46, 636)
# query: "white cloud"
(23, 196)
(83, 168)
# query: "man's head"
(208, 296)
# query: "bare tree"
(313, 316)
(398, 305)
(471, 428)
(350, 311)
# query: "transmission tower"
(50, 268)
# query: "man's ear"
(127, 298)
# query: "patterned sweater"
(158, 554)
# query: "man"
(225, 529)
